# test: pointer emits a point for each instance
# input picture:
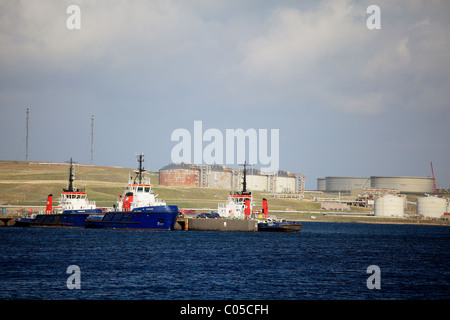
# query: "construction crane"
(434, 180)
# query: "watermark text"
(233, 147)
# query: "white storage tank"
(432, 207)
(389, 206)
(404, 184)
(346, 183)
(255, 180)
(285, 182)
(321, 186)
(220, 177)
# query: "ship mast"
(141, 168)
(244, 183)
(71, 177)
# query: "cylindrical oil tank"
(321, 186)
(220, 177)
(432, 207)
(255, 180)
(389, 206)
(285, 182)
(179, 174)
(346, 183)
(404, 184)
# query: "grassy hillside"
(29, 183)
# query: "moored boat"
(240, 204)
(72, 213)
(138, 208)
(279, 226)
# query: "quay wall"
(200, 224)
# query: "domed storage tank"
(321, 186)
(220, 176)
(390, 206)
(404, 184)
(179, 174)
(345, 183)
(285, 182)
(432, 207)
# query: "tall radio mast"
(92, 139)
(26, 153)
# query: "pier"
(7, 221)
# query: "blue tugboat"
(72, 213)
(138, 208)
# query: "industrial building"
(402, 184)
(219, 176)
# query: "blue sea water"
(324, 261)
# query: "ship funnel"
(265, 208)
(48, 208)
(247, 208)
(127, 201)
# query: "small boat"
(138, 208)
(72, 213)
(273, 225)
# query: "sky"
(347, 100)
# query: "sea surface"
(325, 261)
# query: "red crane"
(434, 180)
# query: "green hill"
(29, 183)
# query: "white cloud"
(118, 31)
(295, 41)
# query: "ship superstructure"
(239, 204)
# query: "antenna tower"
(92, 140)
(26, 153)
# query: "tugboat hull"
(285, 226)
(70, 219)
(147, 218)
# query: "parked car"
(208, 215)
